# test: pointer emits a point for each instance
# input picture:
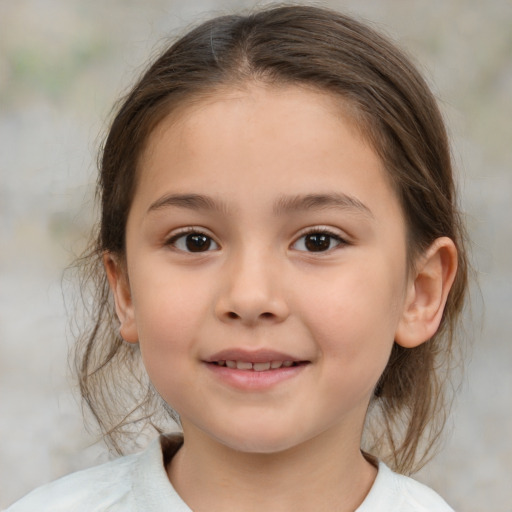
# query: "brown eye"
(193, 242)
(317, 241)
(198, 243)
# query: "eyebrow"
(330, 200)
(284, 204)
(189, 201)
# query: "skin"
(254, 154)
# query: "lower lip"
(250, 380)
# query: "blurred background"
(63, 63)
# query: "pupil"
(318, 242)
(198, 243)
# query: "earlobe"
(427, 293)
(120, 287)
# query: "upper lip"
(251, 356)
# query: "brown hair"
(397, 114)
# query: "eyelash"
(322, 231)
(172, 241)
(330, 235)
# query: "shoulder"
(128, 484)
(95, 489)
(399, 493)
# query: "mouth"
(261, 360)
(262, 366)
(254, 370)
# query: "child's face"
(264, 230)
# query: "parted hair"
(396, 113)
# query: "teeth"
(261, 367)
(257, 367)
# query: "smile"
(254, 370)
(257, 367)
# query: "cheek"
(355, 315)
(167, 304)
(167, 317)
(166, 338)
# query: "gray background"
(62, 65)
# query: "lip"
(252, 356)
(250, 380)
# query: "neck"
(320, 474)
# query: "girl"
(280, 267)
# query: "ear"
(427, 293)
(120, 287)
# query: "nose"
(251, 291)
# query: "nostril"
(234, 316)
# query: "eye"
(193, 241)
(318, 241)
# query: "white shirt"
(139, 483)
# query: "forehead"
(264, 134)
(225, 99)
(276, 114)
